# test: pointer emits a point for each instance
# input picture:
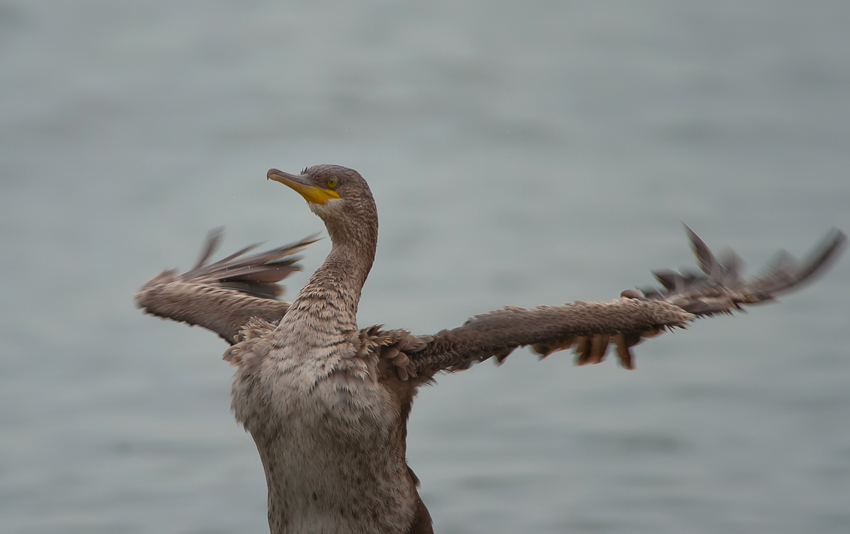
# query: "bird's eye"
(331, 182)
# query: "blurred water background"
(520, 153)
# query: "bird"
(327, 401)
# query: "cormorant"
(327, 402)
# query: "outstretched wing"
(590, 327)
(224, 295)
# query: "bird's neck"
(330, 297)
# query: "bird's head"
(340, 197)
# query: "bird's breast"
(329, 434)
(317, 389)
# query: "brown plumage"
(327, 402)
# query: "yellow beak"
(303, 185)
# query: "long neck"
(328, 301)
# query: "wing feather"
(223, 296)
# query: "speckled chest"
(329, 435)
(313, 391)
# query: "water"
(520, 153)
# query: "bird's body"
(327, 402)
(331, 435)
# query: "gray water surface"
(520, 153)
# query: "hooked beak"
(303, 185)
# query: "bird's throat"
(330, 298)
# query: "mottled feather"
(223, 296)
